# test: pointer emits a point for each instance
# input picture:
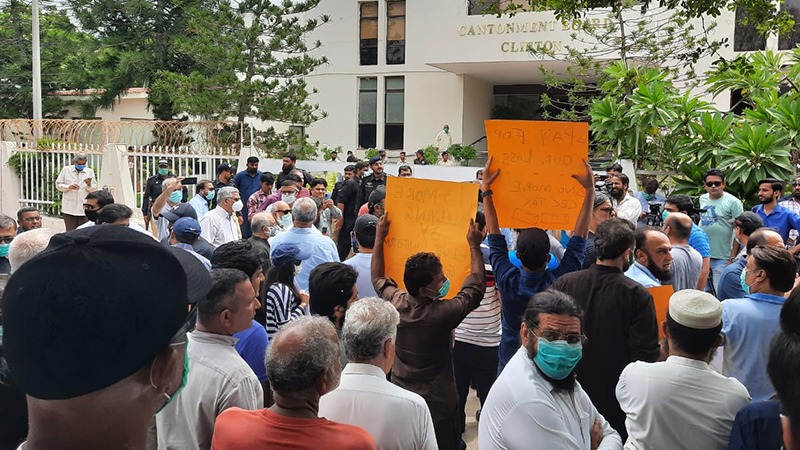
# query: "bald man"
(730, 285)
(686, 261)
(282, 213)
(303, 365)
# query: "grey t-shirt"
(686, 266)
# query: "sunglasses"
(283, 211)
(608, 210)
(6, 239)
(713, 183)
(795, 183)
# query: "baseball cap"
(749, 222)
(377, 195)
(366, 224)
(163, 162)
(179, 211)
(224, 167)
(285, 253)
(374, 159)
(695, 309)
(68, 333)
(186, 227)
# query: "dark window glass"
(395, 113)
(367, 112)
(396, 32)
(368, 34)
(745, 37)
(481, 7)
(790, 40)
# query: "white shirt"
(678, 404)
(362, 262)
(449, 162)
(402, 422)
(218, 379)
(443, 141)
(218, 227)
(629, 209)
(524, 411)
(72, 199)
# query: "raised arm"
(169, 186)
(378, 268)
(492, 225)
(474, 238)
(586, 179)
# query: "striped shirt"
(482, 326)
(280, 307)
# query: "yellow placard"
(536, 161)
(661, 295)
(429, 216)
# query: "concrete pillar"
(9, 181)
(116, 176)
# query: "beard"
(796, 194)
(661, 275)
(764, 200)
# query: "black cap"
(94, 307)
(374, 159)
(179, 211)
(366, 225)
(749, 222)
(376, 196)
(224, 167)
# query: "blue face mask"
(743, 281)
(664, 214)
(176, 196)
(80, 167)
(4, 250)
(557, 359)
(210, 195)
(445, 288)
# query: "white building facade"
(400, 70)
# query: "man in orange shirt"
(302, 365)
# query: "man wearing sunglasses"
(536, 401)
(721, 209)
(98, 355)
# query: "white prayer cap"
(695, 309)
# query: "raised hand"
(586, 179)
(488, 177)
(474, 235)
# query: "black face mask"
(91, 215)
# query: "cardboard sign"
(536, 161)
(429, 216)
(661, 295)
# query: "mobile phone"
(189, 180)
(327, 196)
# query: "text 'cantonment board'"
(429, 216)
(537, 160)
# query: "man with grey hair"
(403, 420)
(27, 245)
(306, 236)
(8, 231)
(263, 226)
(303, 365)
(220, 225)
(75, 181)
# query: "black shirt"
(422, 162)
(620, 321)
(282, 176)
(200, 246)
(369, 184)
(217, 186)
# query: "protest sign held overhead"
(661, 295)
(429, 216)
(537, 161)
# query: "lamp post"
(37, 67)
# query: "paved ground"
(471, 433)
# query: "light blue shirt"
(642, 275)
(749, 324)
(362, 262)
(309, 240)
(200, 206)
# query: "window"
(368, 33)
(367, 112)
(790, 40)
(482, 7)
(395, 113)
(396, 32)
(745, 37)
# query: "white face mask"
(288, 198)
(286, 220)
(237, 206)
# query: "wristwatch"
(486, 193)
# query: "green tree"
(138, 38)
(251, 61)
(65, 54)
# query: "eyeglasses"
(795, 183)
(33, 219)
(283, 211)
(6, 239)
(188, 325)
(608, 210)
(90, 208)
(553, 335)
(713, 183)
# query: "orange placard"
(661, 295)
(537, 160)
(429, 216)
